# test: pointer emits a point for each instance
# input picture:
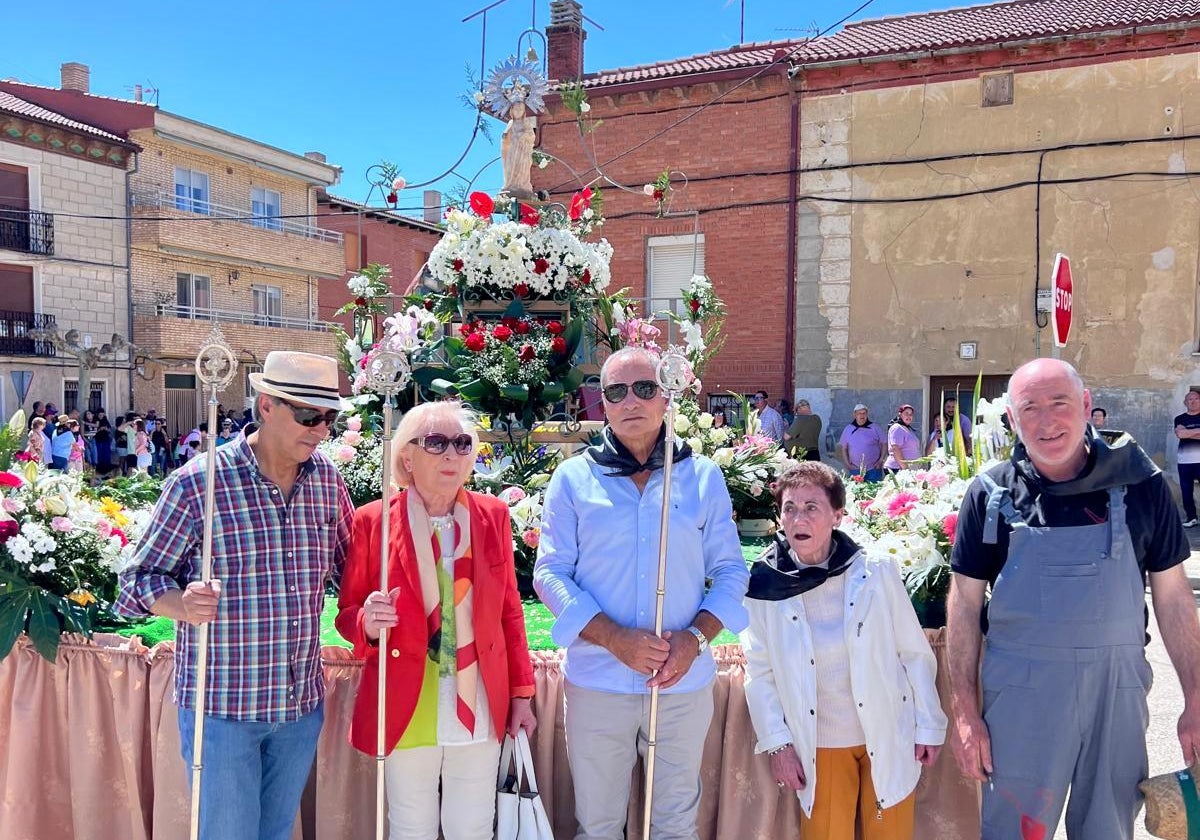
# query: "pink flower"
(351, 438)
(120, 535)
(11, 506)
(354, 424)
(950, 526)
(932, 478)
(512, 495)
(8, 479)
(901, 504)
(345, 453)
(62, 524)
(104, 528)
(531, 537)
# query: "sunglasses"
(312, 417)
(436, 443)
(643, 389)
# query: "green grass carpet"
(537, 618)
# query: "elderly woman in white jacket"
(839, 676)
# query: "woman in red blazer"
(458, 669)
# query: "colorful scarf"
(428, 542)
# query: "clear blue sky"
(366, 80)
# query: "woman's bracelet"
(778, 750)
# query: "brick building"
(63, 263)
(881, 206)
(222, 230)
(400, 242)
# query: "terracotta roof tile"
(15, 105)
(1017, 20)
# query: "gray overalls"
(1065, 678)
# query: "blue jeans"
(254, 773)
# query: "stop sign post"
(1063, 294)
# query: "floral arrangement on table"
(750, 465)
(912, 515)
(60, 551)
(518, 473)
(358, 455)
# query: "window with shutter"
(671, 261)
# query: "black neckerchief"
(610, 452)
(1109, 464)
(854, 423)
(776, 577)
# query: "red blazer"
(498, 617)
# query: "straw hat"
(304, 378)
(1167, 815)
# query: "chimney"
(319, 157)
(137, 93)
(432, 206)
(564, 41)
(75, 76)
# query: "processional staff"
(216, 367)
(388, 372)
(675, 376)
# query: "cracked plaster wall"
(901, 285)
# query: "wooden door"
(961, 388)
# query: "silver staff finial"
(388, 373)
(674, 372)
(216, 364)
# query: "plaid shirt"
(273, 558)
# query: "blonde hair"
(37, 423)
(422, 420)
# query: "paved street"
(1166, 701)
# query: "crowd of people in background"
(122, 445)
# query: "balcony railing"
(26, 230)
(171, 201)
(14, 333)
(225, 316)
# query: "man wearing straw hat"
(281, 528)
(1065, 533)
(597, 569)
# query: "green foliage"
(12, 438)
(134, 491)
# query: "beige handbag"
(519, 811)
(1173, 804)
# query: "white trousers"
(466, 807)
(606, 733)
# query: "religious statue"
(516, 91)
(517, 152)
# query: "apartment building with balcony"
(63, 258)
(222, 230)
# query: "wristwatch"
(701, 639)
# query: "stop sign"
(1063, 291)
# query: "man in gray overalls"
(1065, 533)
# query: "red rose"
(465, 329)
(587, 276)
(509, 321)
(475, 342)
(555, 328)
(541, 265)
(458, 265)
(658, 194)
(521, 290)
(522, 327)
(529, 215)
(392, 198)
(502, 333)
(8, 528)
(482, 204)
(558, 344)
(694, 305)
(360, 301)
(429, 304)
(452, 290)
(7, 479)
(527, 354)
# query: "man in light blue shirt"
(597, 570)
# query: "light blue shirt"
(599, 553)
